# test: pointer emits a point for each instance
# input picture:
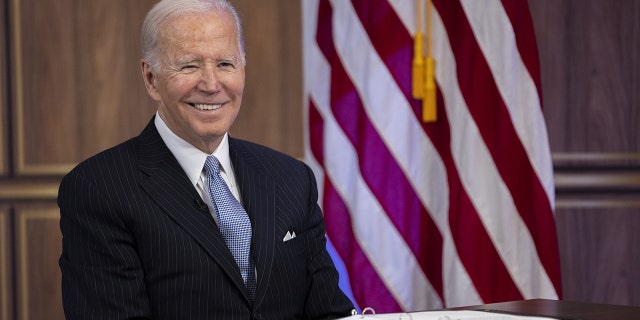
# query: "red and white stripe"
(423, 216)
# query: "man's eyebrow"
(186, 60)
(229, 58)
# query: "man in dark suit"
(142, 230)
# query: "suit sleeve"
(102, 276)
(325, 299)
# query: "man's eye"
(225, 65)
(188, 67)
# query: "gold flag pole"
(417, 65)
(429, 103)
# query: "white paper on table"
(444, 315)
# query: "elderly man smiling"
(183, 221)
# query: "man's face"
(200, 81)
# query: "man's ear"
(150, 80)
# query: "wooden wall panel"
(38, 247)
(44, 87)
(590, 61)
(4, 84)
(271, 111)
(599, 246)
(108, 34)
(6, 285)
(77, 84)
(590, 68)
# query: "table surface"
(561, 309)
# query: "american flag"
(430, 215)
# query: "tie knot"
(212, 165)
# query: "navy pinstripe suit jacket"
(139, 243)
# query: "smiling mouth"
(201, 106)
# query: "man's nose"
(209, 81)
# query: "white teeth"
(201, 106)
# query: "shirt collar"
(190, 158)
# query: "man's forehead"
(199, 21)
(187, 29)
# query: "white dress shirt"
(192, 161)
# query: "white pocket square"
(290, 235)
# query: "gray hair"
(166, 9)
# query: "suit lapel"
(168, 186)
(258, 198)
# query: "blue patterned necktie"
(233, 222)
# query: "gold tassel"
(429, 103)
(417, 65)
